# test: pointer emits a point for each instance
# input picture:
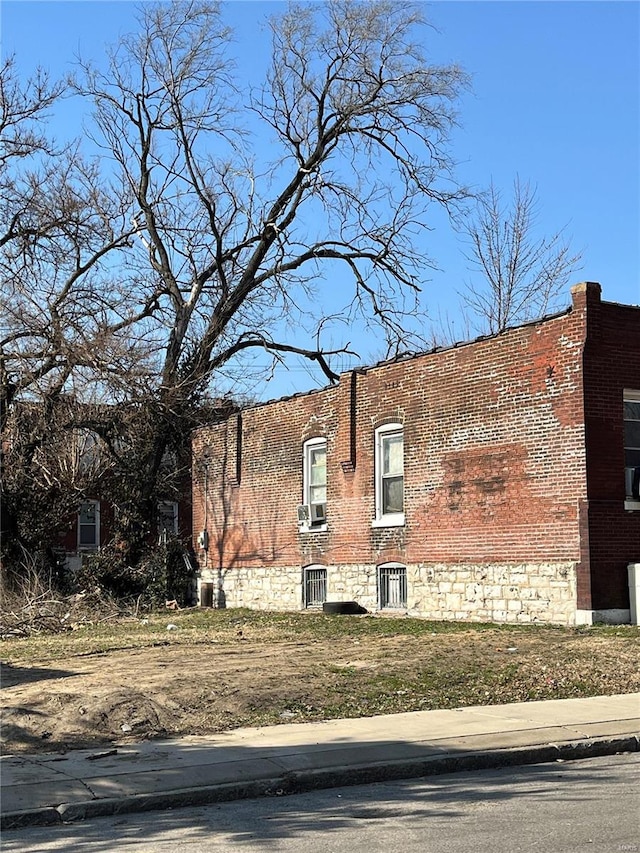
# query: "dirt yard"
(209, 673)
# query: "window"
(315, 482)
(392, 586)
(315, 586)
(87, 451)
(632, 447)
(89, 526)
(389, 474)
(167, 519)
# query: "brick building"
(88, 530)
(494, 480)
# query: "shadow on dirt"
(13, 676)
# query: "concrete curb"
(309, 780)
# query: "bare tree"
(520, 275)
(218, 215)
(22, 106)
(63, 317)
(63, 305)
(233, 240)
(232, 243)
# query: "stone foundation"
(516, 593)
(274, 588)
(539, 592)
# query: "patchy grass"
(199, 626)
(217, 670)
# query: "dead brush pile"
(32, 605)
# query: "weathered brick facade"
(514, 492)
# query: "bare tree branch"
(521, 275)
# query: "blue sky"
(555, 99)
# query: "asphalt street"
(559, 807)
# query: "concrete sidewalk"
(276, 760)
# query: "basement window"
(392, 586)
(315, 586)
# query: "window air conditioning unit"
(304, 514)
(318, 513)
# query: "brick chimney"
(585, 294)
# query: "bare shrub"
(32, 603)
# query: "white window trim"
(309, 445)
(84, 547)
(395, 519)
(633, 396)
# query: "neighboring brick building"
(92, 527)
(485, 481)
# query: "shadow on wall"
(235, 543)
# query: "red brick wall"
(494, 460)
(611, 364)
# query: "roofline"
(465, 343)
(407, 356)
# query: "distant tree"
(520, 274)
